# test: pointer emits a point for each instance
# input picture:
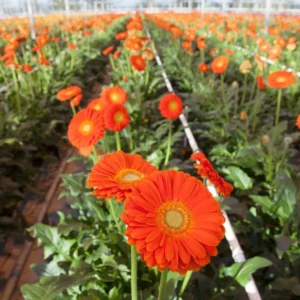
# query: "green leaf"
(240, 179)
(75, 183)
(113, 294)
(242, 271)
(263, 201)
(47, 269)
(50, 287)
(285, 196)
(291, 284)
(50, 238)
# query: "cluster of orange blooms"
(279, 79)
(172, 219)
(133, 42)
(88, 126)
(18, 32)
(227, 28)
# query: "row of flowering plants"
(144, 225)
(245, 115)
(140, 226)
(31, 73)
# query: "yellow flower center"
(174, 218)
(86, 127)
(114, 97)
(97, 107)
(281, 79)
(118, 117)
(129, 176)
(173, 105)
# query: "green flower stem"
(72, 59)
(130, 138)
(112, 63)
(128, 62)
(146, 78)
(73, 110)
(236, 101)
(15, 79)
(223, 97)
(253, 86)
(162, 284)
(185, 282)
(113, 212)
(244, 89)
(202, 56)
(169, 143)
(118, 141)
(255, 107)
(277, 114)
(134, 295)
(247, 130)
(95, 155)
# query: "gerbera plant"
(170, 107)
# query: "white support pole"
(223, 7)
(67, 9)
(237, 252)
(267, 15)
(202, 7)
(190, 5)
(31, 18)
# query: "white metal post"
(202, 7)
(223, 6)
(190, 4)
(267, 15)
(31, 18)
(67, 9)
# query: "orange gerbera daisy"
(27, 68)
(281, 79)
(114, 94)
(298, 122)
(86, 128)
(206, 170)
(121, 35)
(72, 46)
(86, 151)
(148, 54)
(116, 54)
(260, 82)
(44, 61)
(174, 222)
(203, 68)
(76, 100)
(220, 64)
(107, 50)
(68, 93)
(246, 67)
(137, 62)
(116, 117)
(98, 104)
(170, 106)
(117, 173)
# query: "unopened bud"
(243, 115)
(265, 139)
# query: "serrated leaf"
(239, 178)
(242, 271)
(50, 287)
(49, 237)
(263, 201)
